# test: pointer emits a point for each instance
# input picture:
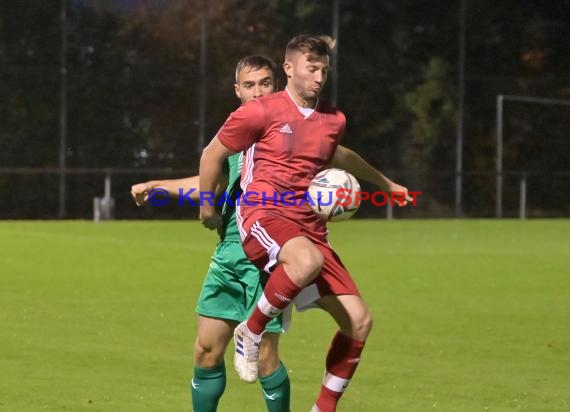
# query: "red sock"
(342, 361)
(277, 295)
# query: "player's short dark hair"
(315, 46)
(256, 62)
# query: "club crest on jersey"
(286, 129)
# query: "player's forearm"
(350, 161)
(175, 186)
(210, 173)
(181, 187)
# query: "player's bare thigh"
(350, 313)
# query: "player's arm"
(347, 159)
(174, 187)
(240, 131)
(211, 162)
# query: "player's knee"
(367, 323)
(200, 350)
(362, 325)
(303, 260)
(207, 355)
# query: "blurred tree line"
(133, 89)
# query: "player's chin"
(311, 94)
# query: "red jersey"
(285, 151)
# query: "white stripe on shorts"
(271, 247)
(260, 236)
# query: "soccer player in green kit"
(233, 284)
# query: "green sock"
(277, 390)
(207, 387)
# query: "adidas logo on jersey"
(286, 129)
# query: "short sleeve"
(244, 127)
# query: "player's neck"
(301, 102)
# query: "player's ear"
(237, 90)
(288, 67)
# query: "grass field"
(469, 316)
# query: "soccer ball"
(333, 193)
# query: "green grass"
(469, 316)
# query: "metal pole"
(107, 199)
(499, 159)
(334, 53)
(522, 205)
(460, 108)
(62, 108)
(108, 185)
(203, 76)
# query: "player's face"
(307, 74)
(254, 83)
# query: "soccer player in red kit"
(289, 137)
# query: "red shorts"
(266, 233)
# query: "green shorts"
(232, 287)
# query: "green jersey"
(229, 231)
(233, 284)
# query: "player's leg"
(350, 313)
(343, 357)
(220, 307)
(277, 246)
(335, 292)
(273, 375)
(209, 381)
(269, 353)
(280, 248)
(212, 340)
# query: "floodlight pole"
(499, 159)
(203, 76)
(499, 156)
(62, 108)
(460, 109)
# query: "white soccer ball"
(333, 193)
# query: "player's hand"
(140, 192)
(399, 194)
(209, 217)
